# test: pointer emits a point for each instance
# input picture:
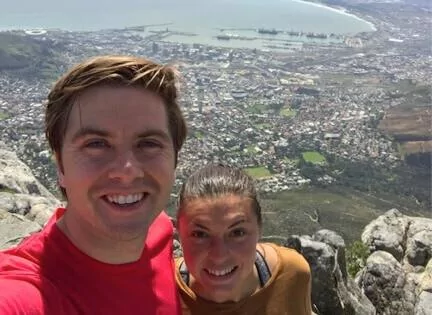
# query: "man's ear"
(59, 168)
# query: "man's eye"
(199, 234)
(149, 144)
(96, 144)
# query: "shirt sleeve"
(19, 298)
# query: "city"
(263, 110)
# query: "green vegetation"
(287, 112)
(339, 208)
(3, 115)
(258, 172)
(263, 126)
(251, 149)
(356, 255)
(16, 51)
(28, 56)
(198, 134)
(7, 189)
(314, 157)
(257, 108)
(291, 161)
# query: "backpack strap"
(263, 269)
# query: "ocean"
(200, 21)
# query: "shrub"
(356, 255)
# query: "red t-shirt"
(46, 274)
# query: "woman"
(225, 270)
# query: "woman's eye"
(238, 233)
(199, 234)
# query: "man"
(115, 127)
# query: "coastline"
(340, 10)
(337, 12)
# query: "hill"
(28, 55)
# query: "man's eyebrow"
(87, 131)
(154, 132)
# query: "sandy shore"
(339, 10)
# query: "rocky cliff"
(25, 205)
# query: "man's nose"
(126, 167)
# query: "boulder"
(25, 204)
(15, 176)
(408, 239)
(15, 227)
(387, 286)
(387, 233)
(34, 208)
(333, 291)
(424, 305)
(397, 277)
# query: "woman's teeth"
(220, 273)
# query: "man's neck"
(101, 247)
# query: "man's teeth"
(121, 199)
(220, 272)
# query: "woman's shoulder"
(288, 259)
(178, 261)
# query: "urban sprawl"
(251, 107)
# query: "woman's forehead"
(218, 209)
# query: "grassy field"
(314, 157)
(287, 112)
(343, 210)
(258, 172)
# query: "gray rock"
(333, 292)
(177, 248)
(387, 286)
(387, 233)
(424, 305)
(329, 237)
(13, 228)
(408, 239)
(425, 282)
(337, 242)
(419, 248)
(15, 176)
(34, 208)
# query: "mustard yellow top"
(288, 291)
